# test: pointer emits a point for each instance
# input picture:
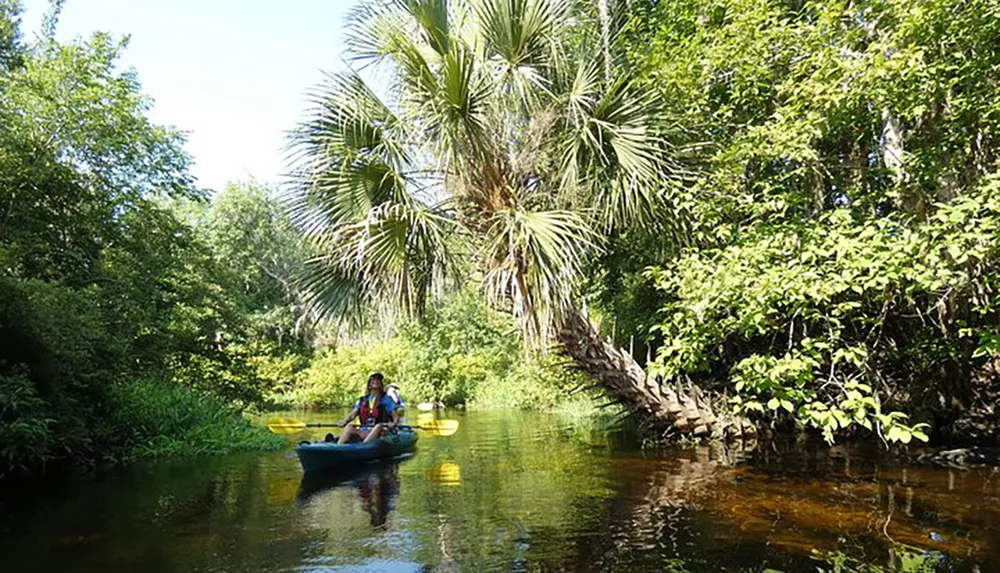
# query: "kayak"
(329, 455)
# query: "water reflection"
(512, 492)
(377, 486)
(447, 474)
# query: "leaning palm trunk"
(678, 408)
(503, 149)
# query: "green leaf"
(894, 434)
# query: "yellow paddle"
(292, 426)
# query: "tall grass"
(158, 419)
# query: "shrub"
(337, 377)
(25, 426)
(155, 419)
(461, 353)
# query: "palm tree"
(509, 146)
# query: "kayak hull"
(319, 456)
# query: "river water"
(515, 492)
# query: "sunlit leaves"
(822, 311)
(394, 257)
(496, 108)
(534, 259)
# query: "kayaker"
(377, 411)
(397, 398)
(393, 392)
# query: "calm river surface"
(514, 492)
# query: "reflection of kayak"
(314, 483)
(330, 455)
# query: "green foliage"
(459, 353)
(542, 383)
(842, 261)
(246, 228)
(801, 312)
(455, 347)
(25, 429)
(156, 419)
(103, 281)
(337, 377)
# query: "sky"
(231, 74)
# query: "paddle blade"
(425, 406)
(285, 425)
(440, 427)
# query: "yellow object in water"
(447, 474)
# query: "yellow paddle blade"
(285, 425)
(440, 427)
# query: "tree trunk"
(605, 18)
(683, 410)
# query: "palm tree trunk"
(605, 17)
(680, 410)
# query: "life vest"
(370, 416)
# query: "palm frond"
(532, 260)
(432, 15)
(393, 259)
(520, 32)
(460, 122)
(615, 150)
(348, 157)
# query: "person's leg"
(374, 433)
(345, 436)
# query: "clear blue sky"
(231, 73)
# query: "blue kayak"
(329, 455)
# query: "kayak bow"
(329, 455)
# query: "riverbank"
(141, 420)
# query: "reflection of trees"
(203, 514)
(515, 493)
(789, 504)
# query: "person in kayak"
(377, 411)
(397, 398)
(393, 392)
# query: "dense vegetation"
(793, 202)
(790, 207)
(460, 354)
(843, 223)
(109, 299)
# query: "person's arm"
(395, 418)
(354, 414)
